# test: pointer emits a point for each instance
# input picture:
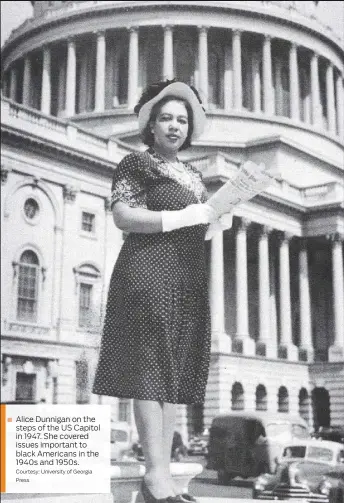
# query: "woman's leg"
(149, 423)
(169, 412)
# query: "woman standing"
(156, 341)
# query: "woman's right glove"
(195, 214)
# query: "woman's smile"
(170, 127)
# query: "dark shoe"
(148, 496)
(188, 498)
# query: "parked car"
(247, 444)
(120, 439)
(178, 449)
(198, 444)
(333, 486)
(300, 472)
(334, 433)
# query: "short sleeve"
(128, 183)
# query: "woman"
(156, 341)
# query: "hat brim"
(184, 92)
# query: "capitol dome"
(270, 75)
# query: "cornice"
(8, 132)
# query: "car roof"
(314, 441)
(265, 416)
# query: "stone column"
(264, 348)
(228, 78)
(100, 72)
(331, 111)
(294, 84)
(220, 342)
(257, 102)
(336, 351)
(267, 76)
(237, 72)
(133, 72)
(242, 339)
(203, 63)
(13, 83)
(306, 344)
(46, 82)
(27, 82)
(340, 106)
(287, 349)
(168, 53)
(315, 91)
(71, 79)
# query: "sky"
(14, 13)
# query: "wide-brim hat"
(176, 90)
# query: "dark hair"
(148, 94)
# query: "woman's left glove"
(221, 224)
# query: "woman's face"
(171, 126)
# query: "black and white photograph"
(172, 229)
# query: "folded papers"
(250, 180)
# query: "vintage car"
(300, 472)
(333, 485)
(246, 444)
(120, 437)
(198, 445)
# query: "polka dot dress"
(156, 338)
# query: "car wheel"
(223, 477)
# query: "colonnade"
(266, 345)
(266, 75)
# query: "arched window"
(261, 398)
(27, 297)
(238, 398)
(283, 399)
(304, 403)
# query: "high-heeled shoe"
(187, 498)
(148, 496)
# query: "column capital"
(264, 230)
(99, 33)
(267, 37)
(202, 28)
(71, 40)
(237, 32)
(133, 29)
(168, 27)
(315, 55)
(285, 236)
(335, 237)
(303, 243)
(243, 224)
(69, 193)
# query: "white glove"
(223, 223)
(195, 214)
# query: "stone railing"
(59, 131)
(308, 197)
